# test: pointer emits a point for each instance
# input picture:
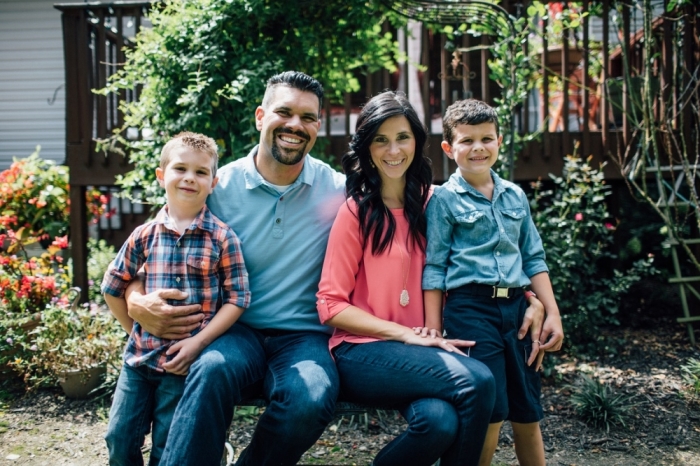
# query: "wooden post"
(604, 112)
(585, 121)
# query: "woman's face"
(392, 149)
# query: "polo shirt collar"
(253, 178)
(204, 220)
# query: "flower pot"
(77, 384)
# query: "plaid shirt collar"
(204, 220)
(253, 178)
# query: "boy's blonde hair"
(194, 141)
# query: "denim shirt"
(474, 240)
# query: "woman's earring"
(372, 164)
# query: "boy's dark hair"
(295, 80)
(467, 112)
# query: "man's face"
(288, 125)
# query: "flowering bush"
(577, 232)
(27, 286)
(76, 338)
(35, 201)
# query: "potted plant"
(72, 346)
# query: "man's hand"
(161, 319)
(534, 315)
(187, 351)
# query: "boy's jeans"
(143, 397)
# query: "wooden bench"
(342, 408)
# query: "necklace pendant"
(403, 300)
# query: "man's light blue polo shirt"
(283, 237)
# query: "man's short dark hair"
(295, 80)
(467, 112)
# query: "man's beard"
(286, 156)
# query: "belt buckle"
(500, 292)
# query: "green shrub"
(204, 64)
(100, 255)
(598, 405)
(577, 232)
(691, 375)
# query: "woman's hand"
(427, 332)
(451, 346)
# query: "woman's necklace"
(403, 298)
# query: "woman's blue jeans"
(446, 399)
(294, 371)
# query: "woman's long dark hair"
(364, 185)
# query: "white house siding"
(32, 91)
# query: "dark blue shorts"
(493, 323)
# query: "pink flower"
(609, 226)
(578, 217)
(60, 242)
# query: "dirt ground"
(45, 428)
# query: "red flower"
(61, 242)
(578, 217)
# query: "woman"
(370, 291)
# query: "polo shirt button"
(502, 230)
(177, 279)
(323, 301)
(178, 244)
(498, 253)
(282, 198)
(279, 220)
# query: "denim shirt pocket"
(512, 221)
(474, 225)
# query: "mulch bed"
(44, 428)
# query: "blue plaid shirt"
(206, 261)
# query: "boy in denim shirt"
(187, 248)
(483, 250)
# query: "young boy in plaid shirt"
(187, 248)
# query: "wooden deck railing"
(578, 113)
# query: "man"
(281, 202)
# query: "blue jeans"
(143, 397)
(446, 399)
(297, 376)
